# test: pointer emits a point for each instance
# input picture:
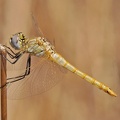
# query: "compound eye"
(14, 42)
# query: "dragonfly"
(42, 49)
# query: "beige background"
(86, 33)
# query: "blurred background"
(86, 33)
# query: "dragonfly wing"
(44, 75)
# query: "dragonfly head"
(17, 40)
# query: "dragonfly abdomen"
(95, 82)
(61, 61)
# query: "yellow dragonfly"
(45, 51)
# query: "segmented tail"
(61, 61)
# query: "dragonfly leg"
(20, 77)
(9, 49)
(13, 55)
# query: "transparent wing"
(35, 30)
(44, 75)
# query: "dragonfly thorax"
(39, 47)
(18, 40)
